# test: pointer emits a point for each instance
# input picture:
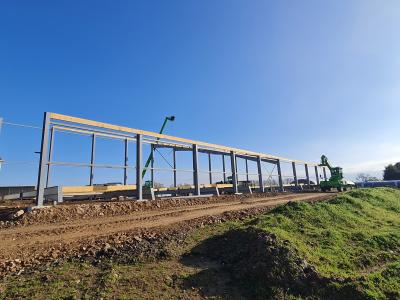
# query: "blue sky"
(291, 78)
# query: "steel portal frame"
(53, 122)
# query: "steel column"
(296, 182)
(209, 168)
(234, 174)
(126, 162)
(152, 166)
(316, 174)
(139, 181)
(42, 162)
(247, 170)
(307, 175)
(260, 176)
(223, 168)
(323, 168)
(195, 151)
(92, 155)
(52, 131)
(174, 163)
(278, 164)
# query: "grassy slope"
(355, 236)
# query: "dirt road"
(35, 242)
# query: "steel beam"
(52, 131)
(42, 161)
(316, 174)
(174, 164)
(260, 176)
(195, 151)
(307, 174)
(126, 162)
(234, 172)
(296, 182)
(278, 165)
(92, 156)
(139, 169)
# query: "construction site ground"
(85, 230)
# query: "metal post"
(316, 174)
(42, 163)
(234, 176)
(296, 182)
(323, 168)
(307, 175)
(223, 168)
(174, 162)
(52, 131)
(92, 159)
(196, 170)
(126, 163)
(151, 166)
(209, 167)
(278, 164)
(260, 176)
(247, 170)
(139, 181)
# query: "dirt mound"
(260, 264)
(258, 258)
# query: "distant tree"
(392, 172)
(366, 177)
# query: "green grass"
(355, 236)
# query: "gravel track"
(22, 245)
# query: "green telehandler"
(336, 181)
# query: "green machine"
(336, 181)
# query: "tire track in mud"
(33, 239)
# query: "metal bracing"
(307, 175)
(296, 182)
(139, 169)
(50, 158)
(316, 174)
(260, 175)
(42, 161)
(196, 170)
(234, 172)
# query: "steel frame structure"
(53, 122)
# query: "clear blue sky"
(292, 78)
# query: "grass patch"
(354, 237)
